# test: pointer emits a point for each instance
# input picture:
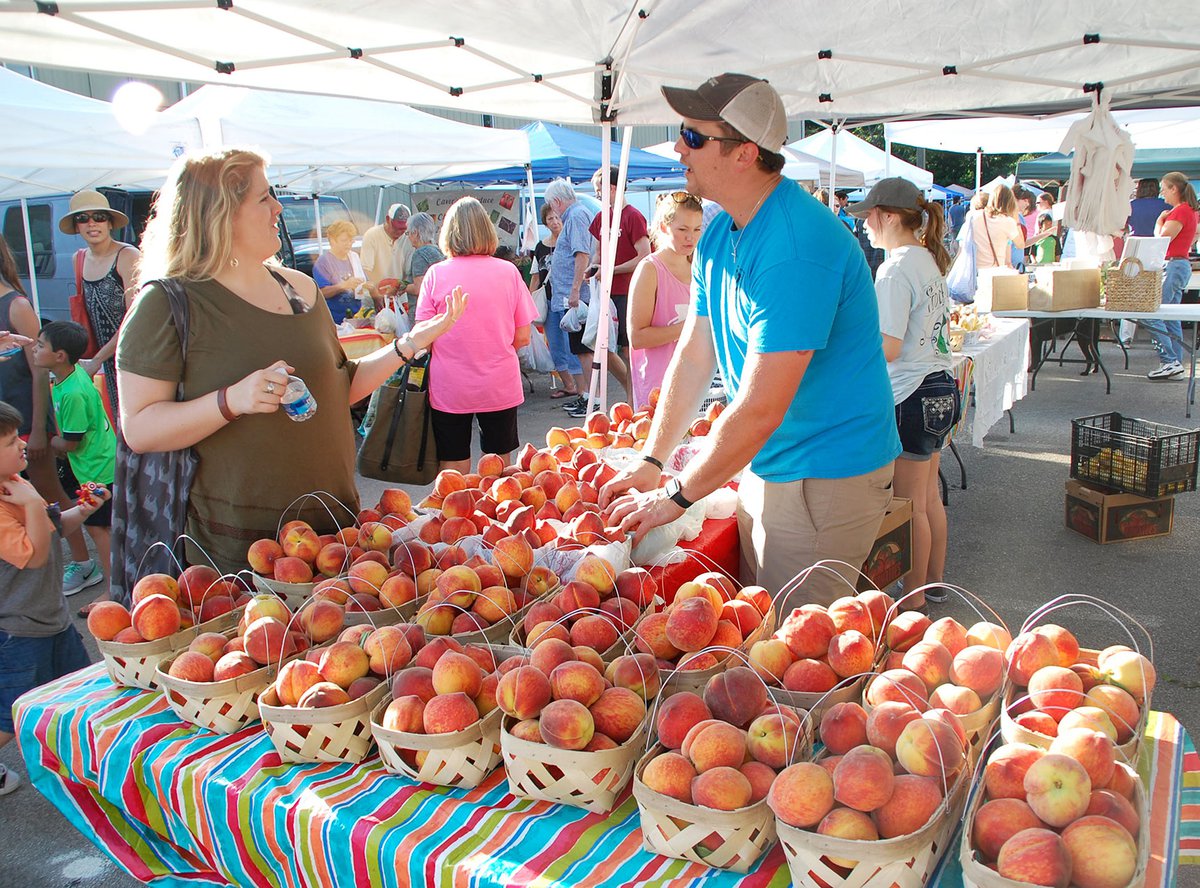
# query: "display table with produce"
(993, 368)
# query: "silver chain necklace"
(770, 187)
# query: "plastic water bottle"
(297, 402)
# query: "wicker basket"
(1129, 287)
(694, 680)
(976, 874)
(331, 734)
(294, 595)
(223, 707)
(623, 645)
(731, 840)
(136, 665)
(388, 616)
(905, 861)
(464, 758)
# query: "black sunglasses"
(695, 140)
(81, 218)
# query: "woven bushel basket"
(294, 595)
(329, 734)
(590, 780)
(623, 645)
(905, 861)
(136, 665)
(500, 632)
(223, 707)
(676, 829)
(1138, 292)
(694, 680)
(388, 616)
(977, 874)
(977, 725)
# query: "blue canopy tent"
(557, 152)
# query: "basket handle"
(319, 496)
(972, 600)
(1128, 269)
(1071, 599)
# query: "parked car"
(53, 251)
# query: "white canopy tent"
(873, 164)
(1153, 128)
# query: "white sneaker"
(77, 577)
(1166, 370)
(9, 780)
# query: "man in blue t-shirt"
(784, 305)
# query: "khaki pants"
(786, 527)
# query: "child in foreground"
(38, 643)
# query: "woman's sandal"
(87, 608)
(559, 393)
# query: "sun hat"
(399, 212)
(85, 201)
(894, 192)
(748, 104)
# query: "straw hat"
(90, 200)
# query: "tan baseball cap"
(748, 104)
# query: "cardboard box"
(992, 278)
(1010, 292)
(891, 555)
(1061, 289)
(1113, 517)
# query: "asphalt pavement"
(1008, 544)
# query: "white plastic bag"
(573, 319)
(539, 305)
(535, 357)
(592, 329)
(657, 545)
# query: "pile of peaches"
(1062, 816)
(299, 554)
(1055, 689)
(266, 634)
(724, 748)
(816, 647)
(163, 604)
(593, 610)
(707, 612)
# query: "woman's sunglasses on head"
(99, 216)
(695, 140)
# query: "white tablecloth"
(1000, 359)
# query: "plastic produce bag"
(592, 330)
(961, 280)
(535, 357)
(657, 545)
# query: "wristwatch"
(674, 491)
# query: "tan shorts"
(788, 526)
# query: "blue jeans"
(1167, 336)
(27, 663)
(560, 350)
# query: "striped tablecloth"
(175, 805)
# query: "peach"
(1064, 642)
(1029, 652)
(494, 603)
(211, 644)
(156, 616)
(550, 653)
(395, 501)
(416, 681)
(807, 633)
(714, 744)
(155, 584)
(650, 637)
(743, 615)
(294, 680)
(576, 596)
(595, 632)
(736, 695)
(302, 543)
(514, 556)
(624, 612)
(1120, 707)
(1037, 721)
(726, 636)
(541, 612)
(724, 789)
(574, 680)
(987, 634)
(457, 585)
(1057, 788)
(106, 619)
(617, 713)
(978, 667)
(897, 686)
(322, 620)
(490, 465)
(846, 823)
(342, 662)
(1107, 803)
(262, 556)
(696, 662)
(374, 537)
(886, 722)
(232, 665)
(930, 661)
(670, 774)
(852, 613)
(695, 589)
(397, 590)
(863, 779)
(770, 658)
(802, 795)
(914, 800)
(637, 585)
(906, 629)
(567, 724)
(413, 558)
(214, 606)
(1129, 671)
(999, 820)
(676, 717)
(948, 632)
(268, 641)
(195, 582)
(528, 730)
(523, 692)
(323, 694)
(405, 714)
(1035, 855)
(1124, 782)
(192, 666)
(456, 672)
(360, 687)
(1004, 774)
(1095, 751)
(596, 572)
(850, 653)
(930, 748)
(1103, 853)
(773, 739)
(960, 701)
(448, 713)
(636, 672)
(544, 632)
(757, 596)
(843, 727)
(448, 481)
(810, 676)
(366, 577)
(387, 650)
(1090, 717)
(1055, 690)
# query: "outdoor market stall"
(994, 368)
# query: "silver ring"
(270, 388)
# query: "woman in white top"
(914, 315)
(996, 228)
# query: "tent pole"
(317, 216)
(530, 209)
(832, 165)
(598, 384)
(978, 168)
(887, 161)
(379, 204)
(33, 287)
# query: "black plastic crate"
(1134, 456)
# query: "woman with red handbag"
(104, 283)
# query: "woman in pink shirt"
(474, 373)
(660, 292)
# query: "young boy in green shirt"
(85, 436)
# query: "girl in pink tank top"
(660, 292)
